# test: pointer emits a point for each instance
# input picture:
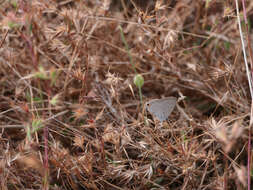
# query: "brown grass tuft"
(70, 113)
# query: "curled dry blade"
(105, 97)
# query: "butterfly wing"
(161, 108)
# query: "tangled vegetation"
(75, 77)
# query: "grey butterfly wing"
(161, 108)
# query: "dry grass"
(70, 114)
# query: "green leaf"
(36, 125)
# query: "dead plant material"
(67, 94)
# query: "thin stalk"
(140, 94)
(127, 48)
(249, 78)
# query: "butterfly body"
(161, 108)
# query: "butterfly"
(161, 108)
